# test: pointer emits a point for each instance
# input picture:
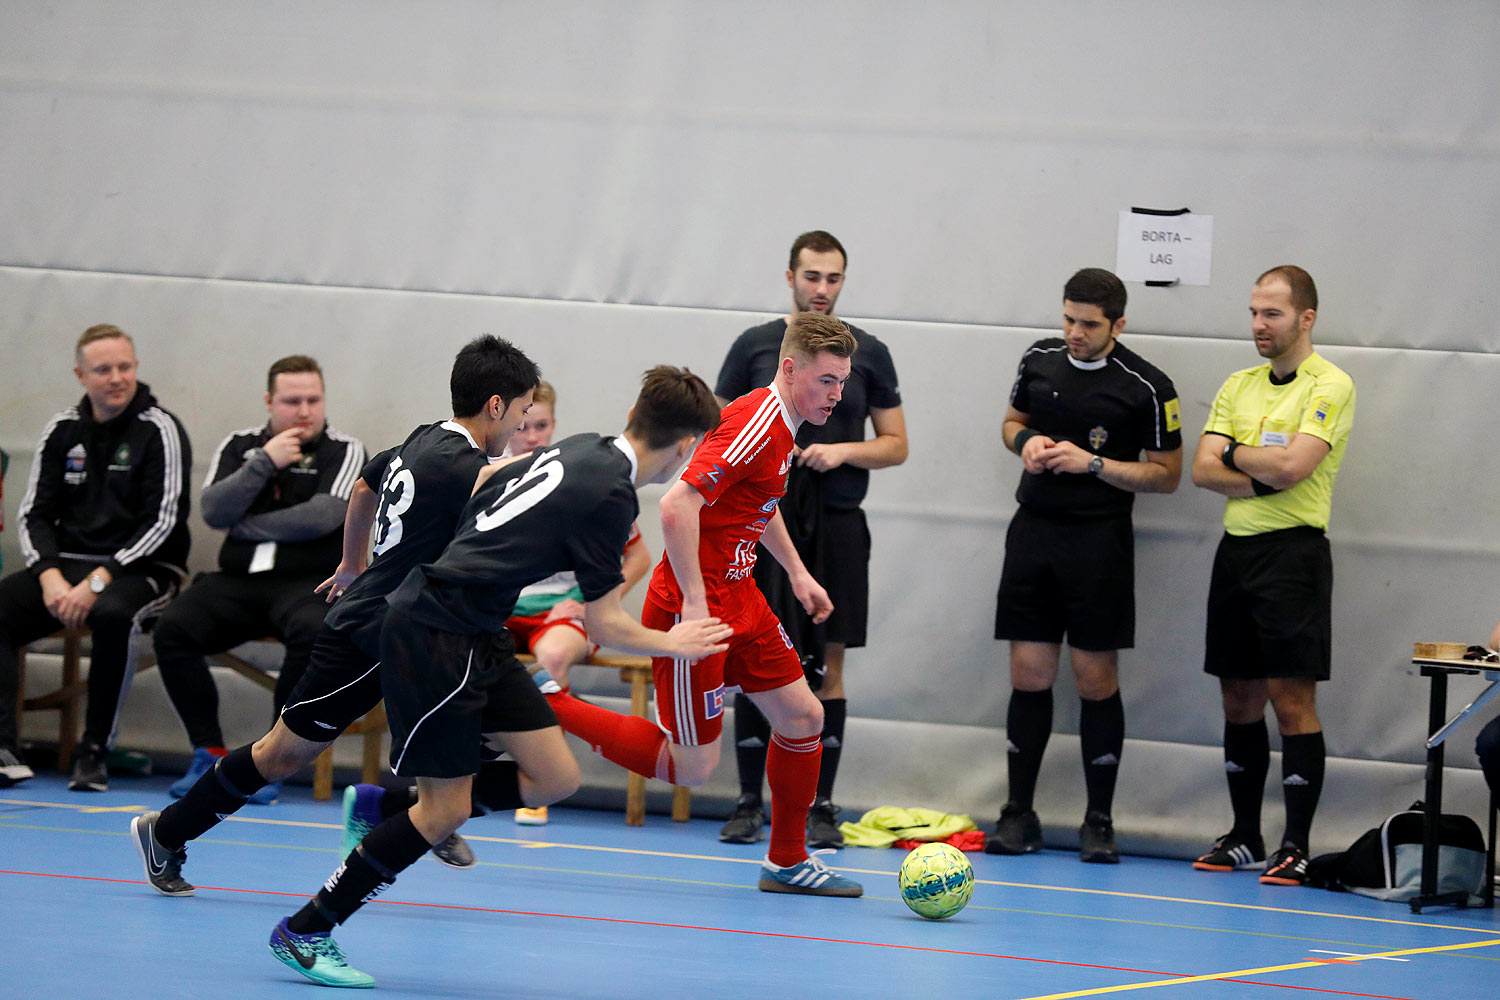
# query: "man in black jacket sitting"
(103, 528)
(279, 491)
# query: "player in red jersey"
(712, 517)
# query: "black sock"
(752, 738)
(397, 800)
(497, 787)
(833, 745)
(1247, 758)
(1302, 761)
(1028, 726)
(387, 851)
(218, 793)
(1101, 735)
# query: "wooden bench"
(72, 688)
(635, 671)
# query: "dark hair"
(292, 364)
(488, 366)
(1304, 292)
(1094, 286)
(673, 404)
(818, 241)
(99, 331)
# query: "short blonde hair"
(811, 333)
(99, 331)
(544, 393)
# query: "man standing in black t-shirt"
(407, 501)
(455, 693)
(1082, 412)
(828, 480)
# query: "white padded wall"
(615, 185)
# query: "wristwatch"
(96, 583)
(1096, 465)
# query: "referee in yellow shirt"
(1273, 444)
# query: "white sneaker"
(12, 768)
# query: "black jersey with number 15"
(569, 507)
(422, 485)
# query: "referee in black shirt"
(1083, 412)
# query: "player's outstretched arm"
(359, 520)
(609, 624)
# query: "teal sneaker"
(361, 814)
(809, 878)
(318, 957)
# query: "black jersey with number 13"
(569, 507)
(422, 486)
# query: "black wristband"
(1227, 455)
(1022, 436)
(1261, 489)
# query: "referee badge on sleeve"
(1174, 414)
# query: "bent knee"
(560, 781)
(694, 767)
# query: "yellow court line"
(1241, 973)
(756, 861)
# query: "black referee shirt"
(1117, 410)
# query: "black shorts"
(1068, 578)
(846, 574)
(444, 691)
(1270, 606)
(341, 684)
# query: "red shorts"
(690, 696)
(529, 628)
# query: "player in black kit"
(410, 497)
(1094, 424)
(454, 691)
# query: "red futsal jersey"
(740, 470)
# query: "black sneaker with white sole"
(823, 825)
(746, 824)
(90, 770)
(163, 867)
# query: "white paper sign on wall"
(1166, 247)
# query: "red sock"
(792, 773)
(634, 743)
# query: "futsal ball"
(936, 881)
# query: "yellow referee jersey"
(1254, 411)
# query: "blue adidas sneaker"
(318, 957)
(202, 761)
(361, 814)
(809, 878)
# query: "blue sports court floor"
(586, 907)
